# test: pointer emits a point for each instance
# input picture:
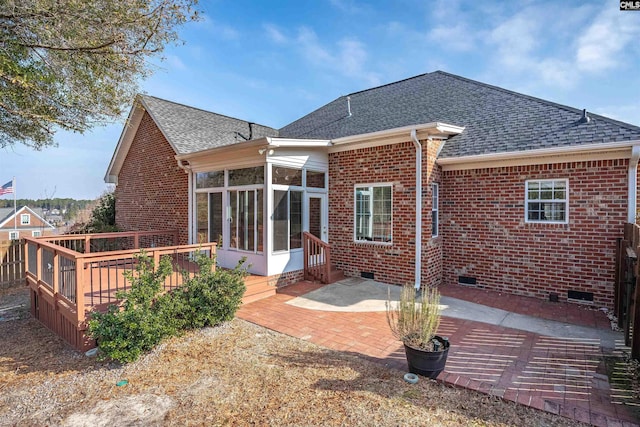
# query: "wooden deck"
(68, 279)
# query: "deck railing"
(627, 287)
(317, 258)
(75, 282)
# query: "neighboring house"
(500, 190)
(28, 222)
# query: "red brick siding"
(152, 191)
(286, 279)
(390, 163)
(485, 235)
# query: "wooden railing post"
(136, 241)
(38, 262)
(55, 276)
(635, 334)
(80, 290)
(87, 244)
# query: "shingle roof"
(190, 129)
(495, 119)
(6, 213)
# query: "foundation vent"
(466, 280)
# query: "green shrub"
(148, 314)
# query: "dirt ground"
(234, 374)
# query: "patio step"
(258, 287)
(335, 275)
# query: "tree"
(103, 216)
(72, 65)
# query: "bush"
(147, 314)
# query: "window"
(210, 179)
(246, 176)
(547, 201)
(315, 179)
(25, 219)
(245, 209)
(286, 176)
(373, 219)
(287, 220)
(13, 235)
(434, 209)
(36, 233)
(209, 217)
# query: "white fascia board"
(124, 142)
(431, 129)
(258, 143)
(297, 143)
(530, 156)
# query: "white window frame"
(14, 235)
(36, 233)
(355, 218)
(25, 219)
(435, 201)
(527, 201)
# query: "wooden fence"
(12, 268)
(627, 288)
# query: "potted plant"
(415, 324)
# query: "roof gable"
(6, 215)
(495, 119)
(190, 129)
(187, 129)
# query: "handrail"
(317, 258)
(63, 273)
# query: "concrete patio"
(550, 356)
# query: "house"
(23, 222)
(432, 180)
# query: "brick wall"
(152, 191)
(395, 164)
(485, 235)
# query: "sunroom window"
(547, 201)
(287, 220)
(373, 215)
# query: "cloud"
(274, 33)
(350, 56)
(599, 48)
(454, 33)
(348, 6)
(629, 113)
(219, 29)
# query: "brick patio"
(562, 376)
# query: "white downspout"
(633, 183)
(418, 260)
(187, 170)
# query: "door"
(317, 216)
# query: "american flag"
(7, 188)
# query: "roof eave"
(124, 142)
(426, 129)
(531, 155)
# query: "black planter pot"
(427, 363)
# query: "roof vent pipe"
(585, 117)
(349, 105)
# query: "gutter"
(187, 169)
(633, 184)
(418, 258)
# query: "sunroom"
(255, 199)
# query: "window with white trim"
(36, 233)
(373, 217)
(25, 219)
(14, 235)
(434, 209)
(547, 201)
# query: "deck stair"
(258, 288)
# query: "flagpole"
(15, 210)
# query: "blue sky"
(272, 62)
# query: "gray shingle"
(190, 129)
(495, 119)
